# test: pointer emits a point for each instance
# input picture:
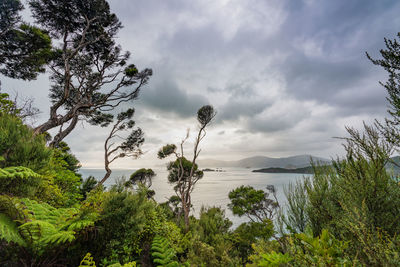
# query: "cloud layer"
(284, 76)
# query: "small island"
(304, 170)
(213, 170)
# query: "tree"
(24, 49)
(255, 204)
(391, 63)
(129, 147)
(142, 176)
(182, 172)
(90, 74)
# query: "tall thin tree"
(184, 173)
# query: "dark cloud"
(165, 95)
(272, 121)
(326, 60)
(236, 108)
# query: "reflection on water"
(213, 188)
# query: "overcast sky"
(285, 76)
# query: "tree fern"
(9, 231)
(129, 264)
(162, 254)
(88, 261)
(41, 226)
(18, 181)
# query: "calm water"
(213, 188)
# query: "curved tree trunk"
(106, 176)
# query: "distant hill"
(305, 170)
(292, 162)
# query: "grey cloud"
(165, 95)
(186, 43)
(269, 124)
(343, 30)
(236, 108)
(153, 140)
(241, 131)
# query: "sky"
(285, 76)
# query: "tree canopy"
(24, 49)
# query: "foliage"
(324, 250)
(143, 176)
(129, 215)
(179, 172)
(166, 150)
(390, 63)
(255, 204)
(304, 249)
(22, 109)
(87, 185)
(212, 225)
(9, 231)
(272, 259)
(19, 181)
(205, 115)
(38, 228)
(162, 253)
(184, 173)
(375, 246)
(249, 233)
(19, 146)
(294, 217)
(118, 146)
(24, 49)
(64, 175)
(7, 106)
(356, 199)
(87, 261)
(210, 242)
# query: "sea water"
(212, 189)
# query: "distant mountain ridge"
(304, 170)
(292, 162)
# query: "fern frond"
(9, 231)
(59, 238)
(87, 261)
(36, 230)
(162, 254)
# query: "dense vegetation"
(347, 214)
